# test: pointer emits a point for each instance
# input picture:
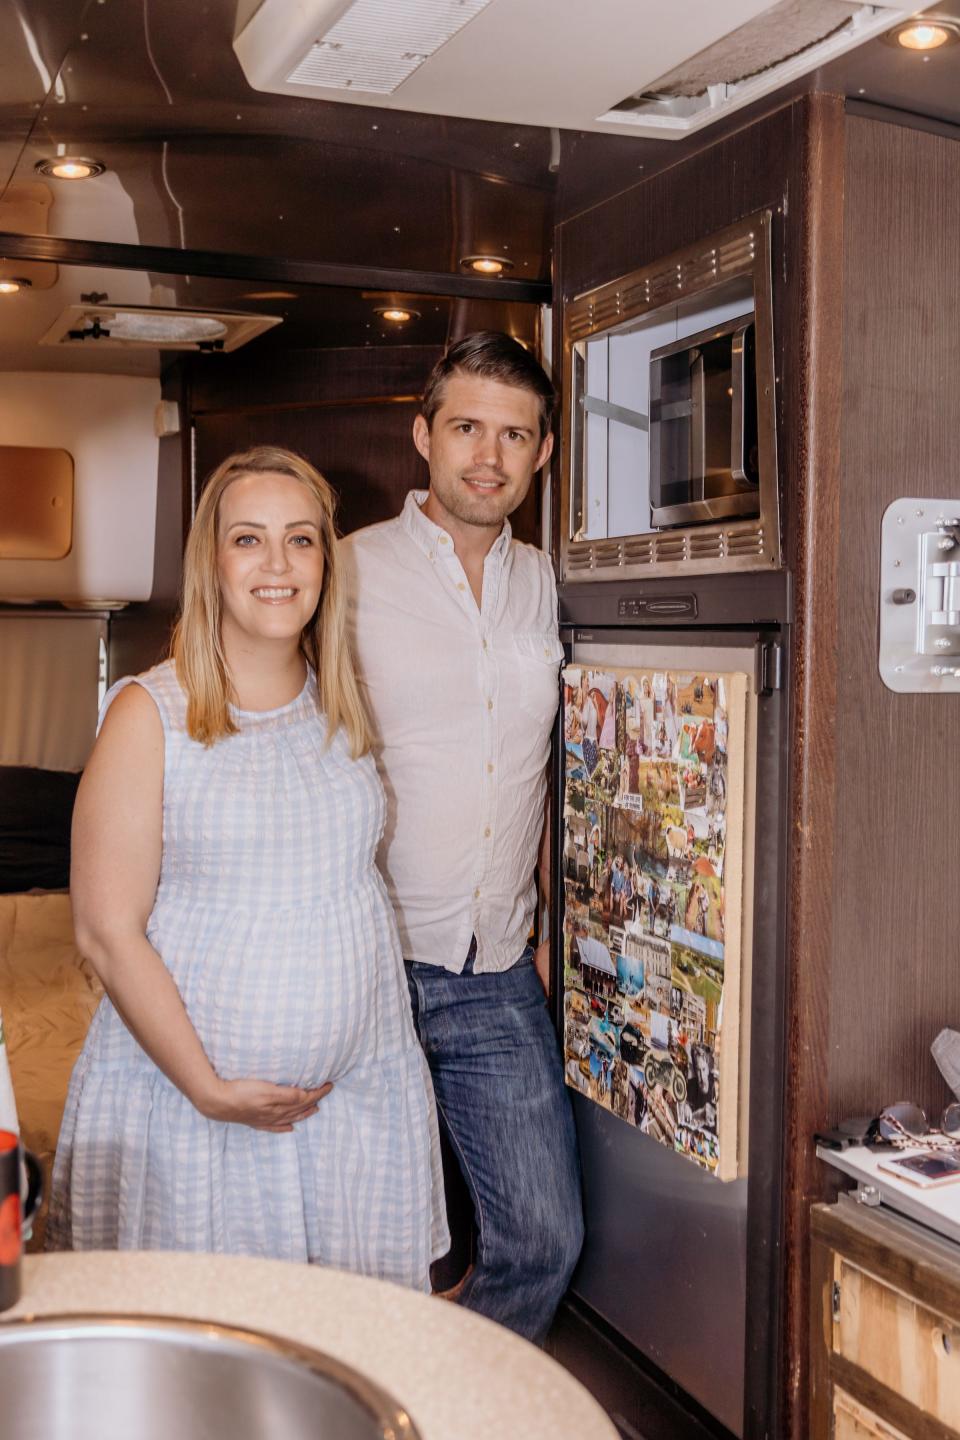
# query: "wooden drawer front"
(908, 1348)
(853, 1421)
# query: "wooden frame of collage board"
(650, 766)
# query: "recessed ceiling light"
(928, 34)
(397, 314)
(70, 167)
(487, 264)
(271, 295)
(13, 286)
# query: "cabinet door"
(853, 1421)
(911, 1350)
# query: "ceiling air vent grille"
(785, 41)
(369, 47)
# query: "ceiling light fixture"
(70, 167)
(487, 264)
(13, 286)
(271, 295)
(928, 33)
(397, 314)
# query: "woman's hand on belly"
(260, 1104)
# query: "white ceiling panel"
(564, 63)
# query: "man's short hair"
(490, 355)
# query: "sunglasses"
(904, 1125)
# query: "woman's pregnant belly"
(288, 997)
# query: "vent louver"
(789, 39)
(667, 552)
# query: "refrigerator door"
(666, 1256)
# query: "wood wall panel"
(809, 457)
(896, 937)
(365, 451)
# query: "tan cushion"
(47, 996)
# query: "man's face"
(483, 449)
(702, 1062)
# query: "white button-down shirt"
(463, 702)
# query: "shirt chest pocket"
(532, 659)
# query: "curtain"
(49, 686)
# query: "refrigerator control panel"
(676, 607)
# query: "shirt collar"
(433, 539)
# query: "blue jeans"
(498, 1078)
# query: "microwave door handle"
(698, 438)
(738, 384)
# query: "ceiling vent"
(790, 39)
(370, 45)
(147, 327)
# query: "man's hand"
(541, 963)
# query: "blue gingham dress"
(274, 922)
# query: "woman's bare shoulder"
(132, 724)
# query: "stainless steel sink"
(129, 1378)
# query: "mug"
(13, 1214)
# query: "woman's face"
(269, 557)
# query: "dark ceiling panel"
(155, 92)
(314, 318)
(35, 38)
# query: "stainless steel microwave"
(704, 462)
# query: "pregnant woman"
(252, 1083)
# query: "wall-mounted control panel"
(920, 596)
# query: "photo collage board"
(653, 880)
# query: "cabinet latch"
(836, 1300)
(920, 595)
(771, 667)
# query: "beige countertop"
(459, 1376)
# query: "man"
(454, 626)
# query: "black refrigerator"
(672, 733)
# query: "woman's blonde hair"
(197, 644)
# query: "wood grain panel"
(896, 978)
(810, 427)
(365, 451)
(911, 1349)
(229, 382)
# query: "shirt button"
(484, 644)
(444, 540)
(489, 704)
(487, 832)
(476, 894)
(460, 585)
(489, 767)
